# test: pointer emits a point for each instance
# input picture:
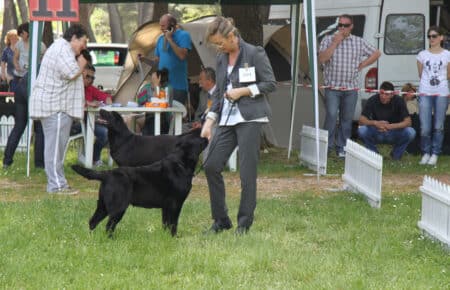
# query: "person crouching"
(385, 120)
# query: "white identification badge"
(247, 75)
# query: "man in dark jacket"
(385, 120)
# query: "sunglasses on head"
(432, 36)
(346, 25)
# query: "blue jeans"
(431, 138)
(400, 138)
(20, 122)
(101, 138)
(343, 102)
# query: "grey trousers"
(56, 134)
(226, 138)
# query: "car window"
(108, 56)
(404, 34)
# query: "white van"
(396, 27)
(108, 60)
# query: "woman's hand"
(235, 94)
(207, 129)
(81, 62)
(94, 104)
(155, 80)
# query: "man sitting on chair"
(385, 119)
(94, 98)
(207, 82)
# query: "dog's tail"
(88, 173)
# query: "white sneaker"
(424, 159)
(65, 191)
(433, 159)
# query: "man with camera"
(171, 52)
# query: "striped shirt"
(341, 70)
(54, 91)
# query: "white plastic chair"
(81, 154)
(172, 120)
(80, 135)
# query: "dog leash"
(213, 145)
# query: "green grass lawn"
(300, 239)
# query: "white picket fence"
(435, 220)
(232, 161)
(308, 149)
(363, 172)
(6, 125)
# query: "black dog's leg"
(165, 217)
(99, 214)
(173, 215)
(113, 221)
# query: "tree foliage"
(250, 25)
(9, 19)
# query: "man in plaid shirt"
(343, 56)
(57, 97)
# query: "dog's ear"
(102, 112)
(116, 115)
(196, 131)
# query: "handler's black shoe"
(219, 226)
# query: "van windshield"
(108, 56)
(404, 34)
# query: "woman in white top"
(434, 72)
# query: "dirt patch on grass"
(14, 191)
(269, 187)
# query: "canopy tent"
(296, 20)
(142, 43)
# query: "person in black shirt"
(385, 120)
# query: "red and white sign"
(54, 10)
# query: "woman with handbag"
(20, 89)
(7, 61)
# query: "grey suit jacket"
(250, 107)
(202, 105)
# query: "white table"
(177, 109)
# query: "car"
(108, 60)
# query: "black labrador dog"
(164, 184)
(129, 149)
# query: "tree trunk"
(9, 19)
(85, 15)
(47, 36)
(23, 8)
(115, 22)
(159, 9)
(145, 12)
(249, 24)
